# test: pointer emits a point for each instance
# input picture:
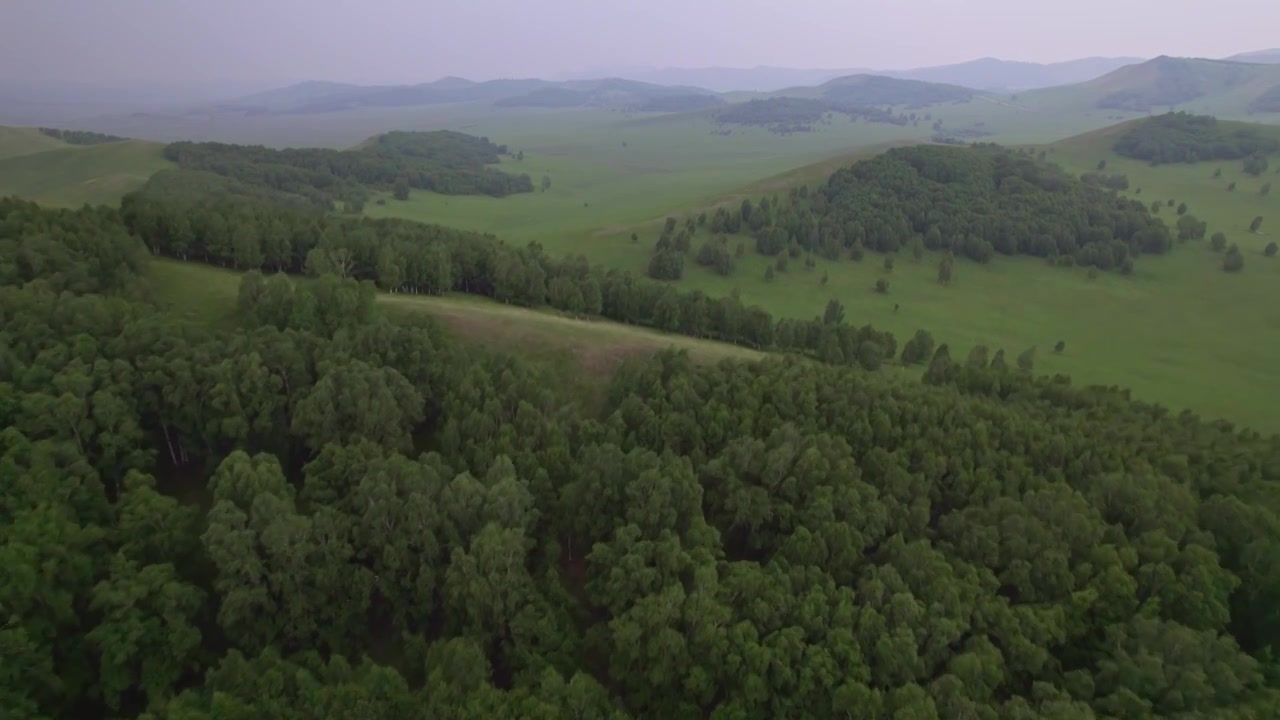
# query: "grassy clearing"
(15, 141)
(71, 176)
(208, 294)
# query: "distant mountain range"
(987, 74)
(313, 97)
(1267, 57)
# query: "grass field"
(597, 347)
(15, 141)
(1180, 331)
(72, 175)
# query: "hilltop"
(1216, 87)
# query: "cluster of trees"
(203, 522)
(404, 256)
(445, 162)
(1183, 137)
(790, 114)
(974, 201)
(80, 137)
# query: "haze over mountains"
(988, 74)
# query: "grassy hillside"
(1207, 197)
(1210, 87)
(15, 141)
(70, 176)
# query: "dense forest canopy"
(81, 137)
(446, 162)
(202, 522)
(1182, 137)
(973, 201)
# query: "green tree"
(401, 189)
(1218, 242)
(918, 349)
(1233, 261)
(1027, 359)
(834, 313)
(1059, 347)
(1191, 228)
(1256, 224)
(1182, 209)
(882, 286)
(944, 271)
(1270, 250)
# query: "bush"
(882, 286)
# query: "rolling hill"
(63, 175)
(1215, 87)
(25, 141)
(1268, 57)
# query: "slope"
(15, 141)
(1210, 87)
(70, 176)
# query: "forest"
(445, 162)
(789, 114)
(1182, 137)
(405, 256)
(80, 137)
(972, 201)
(322, 511)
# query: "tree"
(635, 238)
(769, 274)
(882, 286)
(401, 191)
(888, 264)
(1027, 359)
(520, 156)
(1191, 228)
(1255, 164)
(1233, 261)
(1102, 164)
(1256, 224)
(1265, 189)
(545, 185)
(834, 313)
(1182, 208)
(944, 271)
(1217, 173)
(1059, 347)
(1231, 186)
(1218, 242)
(919, 348)
(1270, 250)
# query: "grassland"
(15, 141)
(70, 176)
(208, 294)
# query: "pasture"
(73, 175)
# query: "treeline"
(445, 162)
(790, 114)
(973, 201)
(403, 256)
(207, 522)
(1182, 137)
(81, 137)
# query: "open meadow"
(65, 175)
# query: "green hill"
(1214, 87)
(69, 176)
(15, 141)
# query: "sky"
(265, 43)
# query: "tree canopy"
(1183, 137)
(446, 162)
(973, 201)
(318, 511)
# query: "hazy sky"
(267, 42)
